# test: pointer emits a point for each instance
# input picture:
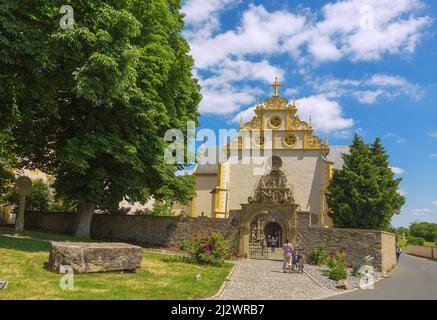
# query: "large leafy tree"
(7, 162)
(108, 90)
(364, 194)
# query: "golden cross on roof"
(276, 85)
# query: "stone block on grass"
(95, 257)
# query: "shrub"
(338, 274)
(338, 266)
(416, 241)
(213, 249)
(318, 255)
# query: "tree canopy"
(425, 230)
(364, 193)
(90, 105)
(7, 162)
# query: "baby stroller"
(297, 261)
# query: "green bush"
(214, 249)
(318, 255)
(338, 266)
(416, 241)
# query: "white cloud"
(367, 90)
(203, 17)
(397, 138)
(421, 212)
(434, 155)
(229, 61)
(338, 34)
(326, 114)
(291, 92)
(226, 99)
(395, 28)
(433, 135)
(367, 96)
(222, 91)
(397, 170)
(402, 192)
(246, 115)
(434, 203)
(260, 32)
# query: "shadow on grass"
(23, 244)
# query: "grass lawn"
(22, 264)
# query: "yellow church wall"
(306, 172)
(204, 198)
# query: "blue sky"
(355, 65)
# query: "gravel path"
(264, 280)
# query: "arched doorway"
(265, 234)
(273, 234)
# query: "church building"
(298, 172)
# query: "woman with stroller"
(288, 254)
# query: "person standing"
(288, 254)
(398, 252)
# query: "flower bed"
(213, 249)
(334, 273)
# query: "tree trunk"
(84, 219)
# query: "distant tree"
(425, 230)
(91, 105)
(403, 230)
(364, 193)
(38, 200)
(161, 208)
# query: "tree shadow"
(27, 245)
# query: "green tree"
(7, 162)
(425, 230)
(38, 200)
(364, 193)
(161, 208)
(403, 230)
(109, 89)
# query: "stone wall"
(422, 251)
(159, 231)
(171, 231)
(357, 244)
(58, 222)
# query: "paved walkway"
(264, 280)
(415, 278)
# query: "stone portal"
(269, 217)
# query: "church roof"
(335, 155)
(206, 169)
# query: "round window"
(275, 122)
(290, 140)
